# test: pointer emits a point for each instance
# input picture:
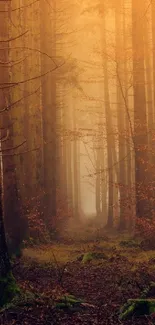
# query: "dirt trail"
(105, 284)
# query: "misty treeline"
(34, 75)
(77, 86)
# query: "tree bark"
(48, 45)
(109, 130)
(120, 111)
(140, 120)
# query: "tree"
(48, 45)
(8, 287)
(5, 266)
(120, 110)
(153, 46)
(14, 224)
(109, 129)
(140, 118)
(76, 158)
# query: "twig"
(13, 38)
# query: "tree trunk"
(76, 158)
(140, 121)
(109, 129)
(14, 223)
(7, 283)
(103, 186)
(120, 110)
(149, 89)
(48, 45)
(153, 46)
(5, 265)
(126, 44)
(98, 177)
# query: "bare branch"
(126, 107)
(19, 8)
(29, 49)
(14, 38)
(12, 148)
(13, 63)
(13, 84)
(19, 153)
(19, 100)
(6, 136)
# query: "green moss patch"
(137, 307)
(90, 256)
(26, 298)
(68, 302)
(129, 243)
(8, 289)
(71, 303)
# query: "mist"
(77, 162)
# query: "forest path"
(105, 283)
(64, 253)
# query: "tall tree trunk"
(6, 279)
(140, 121)
(48, 46)
(153, 46)
(4, 256)
(98, 177)
(75, 160)
(120, 109)
(14, 224)
(103, 186)
(8, 288)
(127, 123)
(65, 143)
(5, 266)
(69, 154)
(109, 129)
(149, 89)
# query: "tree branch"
(12, 148)
(14, 38)
(13, 84)
(6, 136)
(19, 8)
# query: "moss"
(8, 289)
(70, 299)
(149, 291)
(69, 302)
(129, 243)
(26, 298)
(87, 257)
(137, 307)
(147, 244)
(62, 305)
(127, 311)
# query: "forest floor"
(104, 285)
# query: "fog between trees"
(77, 95)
